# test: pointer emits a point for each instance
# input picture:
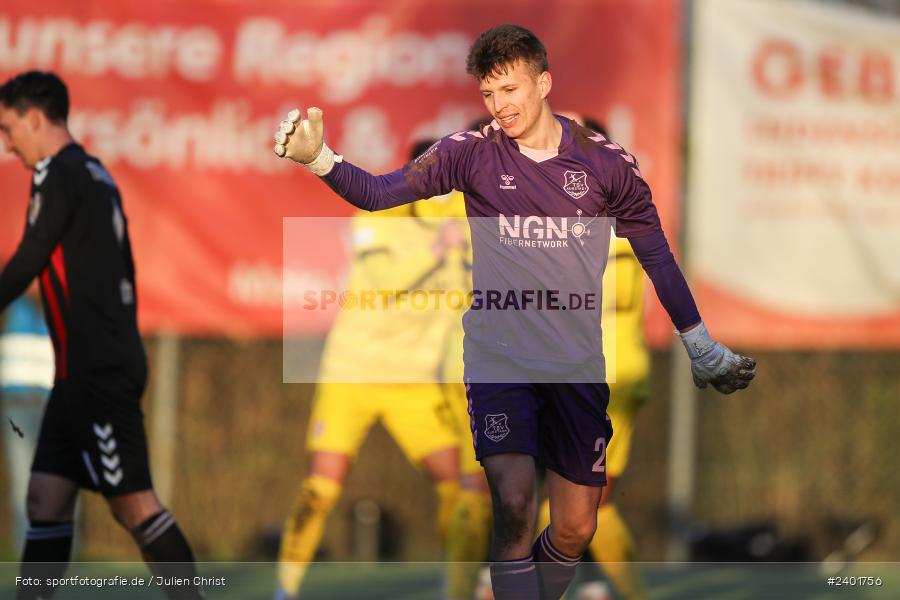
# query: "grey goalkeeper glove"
(712, 362)
(303, 141)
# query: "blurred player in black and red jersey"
(92, 434)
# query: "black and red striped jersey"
(76, 241)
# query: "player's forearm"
(20, 271)
(711, 362)
(367, 191)
(671, 288)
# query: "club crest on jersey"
(495, 427)
(576, 183)
(34, 208)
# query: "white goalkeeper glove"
(712, 362)
(303, 141)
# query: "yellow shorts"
(620, 444)
(459, 407)
(624, 401)
(416, 416)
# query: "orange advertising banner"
(793, 218)
(180, 100)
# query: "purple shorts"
(563, 425)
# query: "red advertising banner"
(180, 101)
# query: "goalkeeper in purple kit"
(538, 189)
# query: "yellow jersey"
(398, 307)
(623, 312)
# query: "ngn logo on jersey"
(534, 231)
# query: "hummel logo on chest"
(507, 182)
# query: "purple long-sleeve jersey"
(540, 227)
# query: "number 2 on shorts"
(600, 446)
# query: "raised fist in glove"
(712, 362)
(303, 141)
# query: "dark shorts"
(563, 425)
(93, 433)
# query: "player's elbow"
(657, 261)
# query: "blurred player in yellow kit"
(410, 248)
(469, 529)
(623, 283)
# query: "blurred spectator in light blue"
(26, 377)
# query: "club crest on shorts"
(576, 183)
(495, 427)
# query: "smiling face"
(19, 134)
(515, 97)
